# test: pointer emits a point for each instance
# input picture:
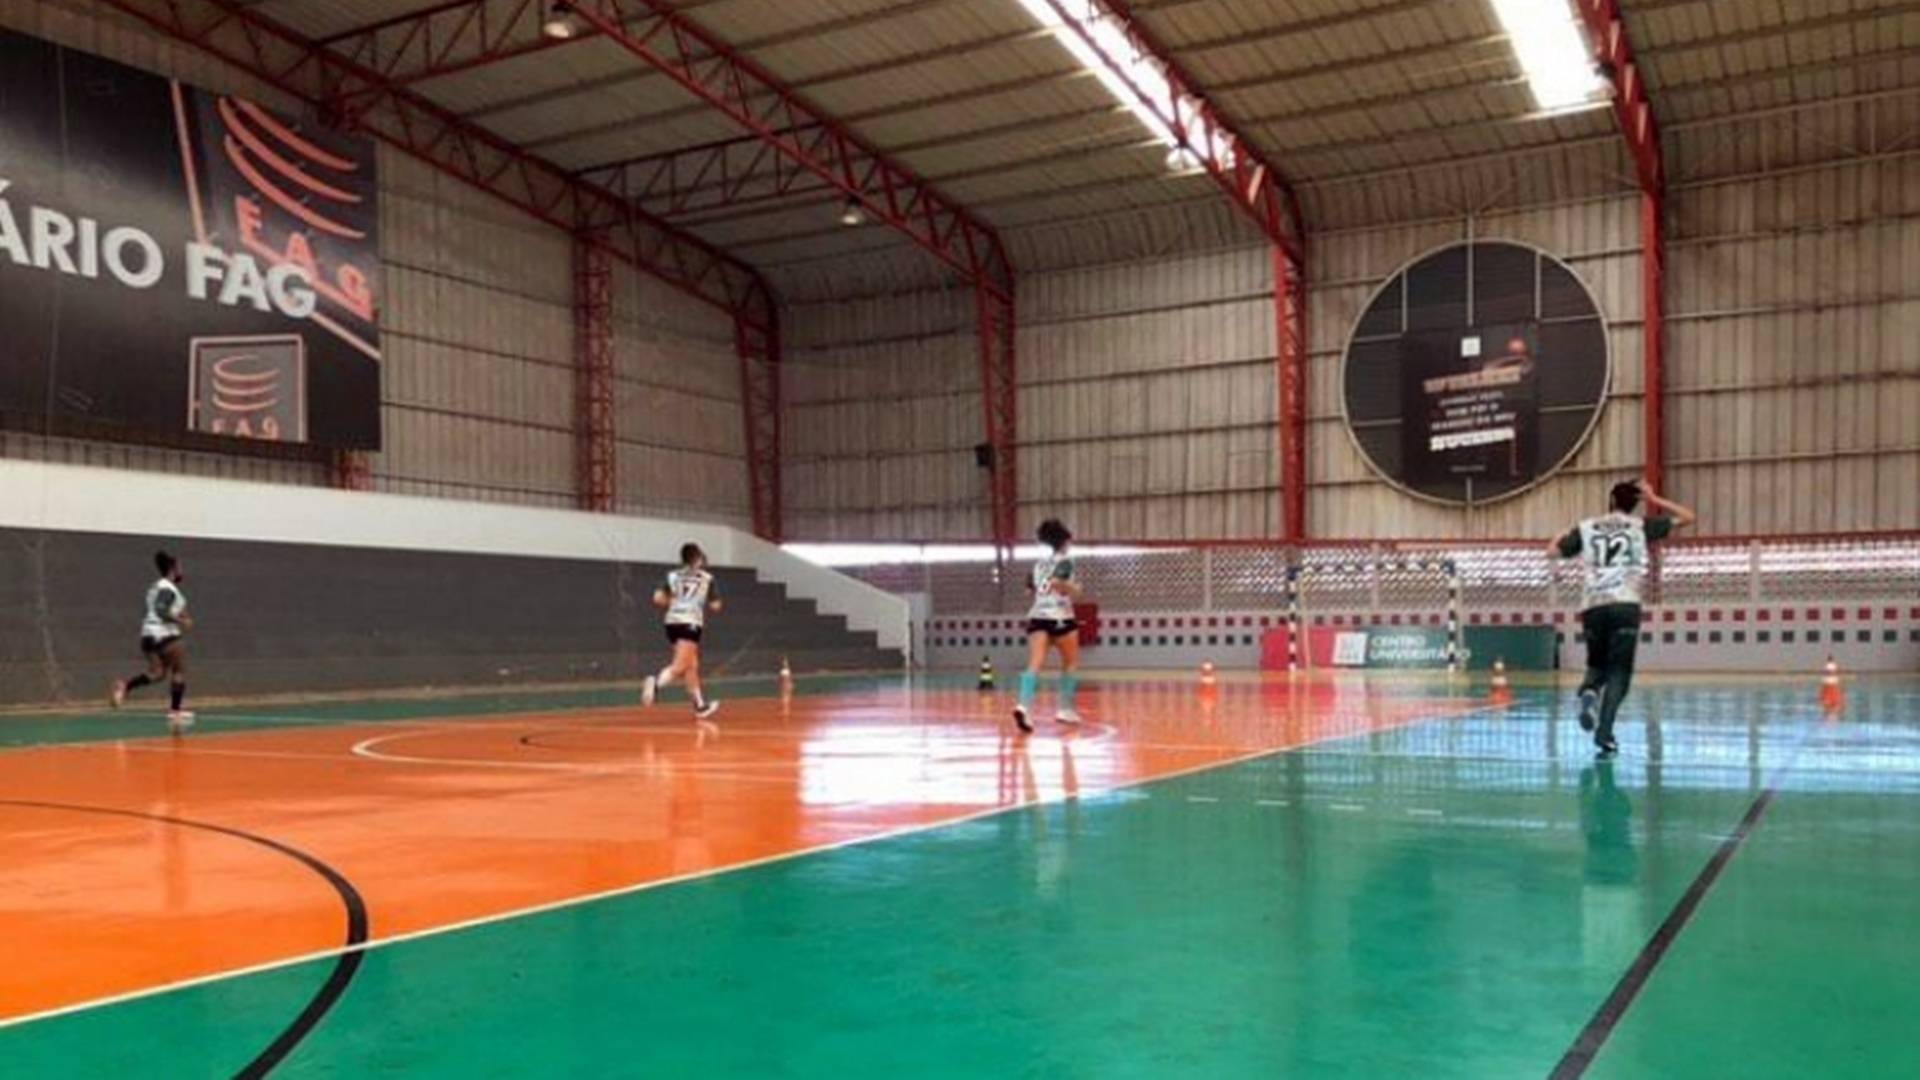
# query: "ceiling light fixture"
(1546, 39)
(561, 24)
(851, 214)
(1139, 74)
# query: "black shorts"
(1613, 635)
(1053, 628)
(677, 632)
(150, 646)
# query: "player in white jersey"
(1615, 553)
(163, 623)
(687, 597)
(1051, 624)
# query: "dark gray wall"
(274, 618)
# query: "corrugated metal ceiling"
(1375, 108)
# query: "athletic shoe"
(1066, 716)
(647, 690)
(1020, 719)
(118, 694)
(179, 720)
(1607, 748)
(1589, 710)
(701, 712)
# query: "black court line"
(344, 966)
(1587, 1045)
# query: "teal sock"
(1069, 682)
(1029, 684)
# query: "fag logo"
(249, 387)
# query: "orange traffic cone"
(1832, 696)
(1502, 690)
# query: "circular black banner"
(1475, 372)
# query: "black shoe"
(1589, 710)
(1020, 719)
(1607, 747)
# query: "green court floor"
(1451, 899)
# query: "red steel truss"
(443, 39)
(791, 139)
(787, 126)
(1607, 36)
(1234, 163)
(1249, 181)
(655, 32)
(348, 91)
(729, 173)
(358, 97)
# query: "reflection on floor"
(1323, 877)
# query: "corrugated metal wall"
(477, 332)
(883, 411)
(1147, 398)
(1793, 382)
(682, 447)
(1794, 319)
(478, 388)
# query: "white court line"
(1350, 807)
(366, 749)
(1271, 802)
(698, 875)
(1421, 811)
(1202, 799)
(714, 771)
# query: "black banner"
(1470, 406)
(181, 261)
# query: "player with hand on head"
(687, 596)
(1051, 624)
(1614, 554)
(163, 625)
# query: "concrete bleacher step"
(280, 618)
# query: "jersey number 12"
(1612, 550)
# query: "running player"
(1050, 623)
(161, 631)
(1614, 554)
(687, 596)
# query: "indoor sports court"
(977, 538)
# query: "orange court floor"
(440, 821)
(1330, 875)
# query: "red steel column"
(1000, 394)
(758, 346)
(1633, 110)
(1290, 337)
(350, 470)
(1653, 272)
(596, 452)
